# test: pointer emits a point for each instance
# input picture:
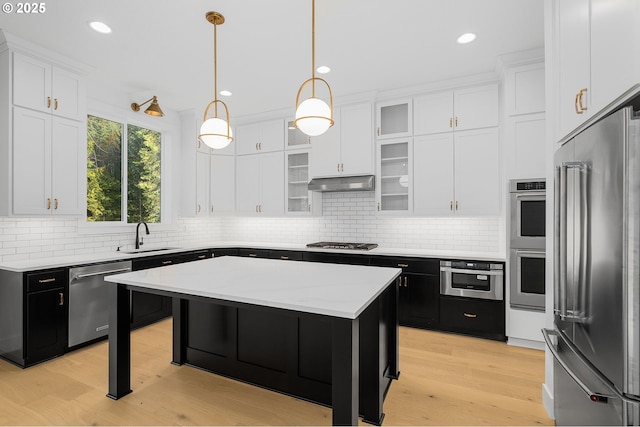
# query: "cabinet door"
(421, 305)
(476, 107)
(247, 138)
(202, 183)
(297, 175)
(356, 139)
(31, 83)
(433, 113)
(325, 154)
(574, 59)
(272, 184)
(248, 184)
(31, 162)
(46, 325)
(272, 136)
(394, 118)
(222, 185)
(477, 175)
(433, 174)
(68, 95)
(613, 39)
(394, 176)
(68, 166)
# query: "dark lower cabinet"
(418, 290)
(45, 315)
(472, 316)
(148, 308)
(224, 251)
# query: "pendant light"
(215, 132)
(314, 116)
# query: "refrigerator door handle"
(576, 311)
(593, 396)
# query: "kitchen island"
(323, 332)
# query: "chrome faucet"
(139, 240)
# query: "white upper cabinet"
(394, 188)
(295, 137)
(394, 118)
(260, 137)
(222, 186)
(462, 109)
(524, 89)
(457, 173)
(48, 159)
(43, 87)
(347, 147)
(260, 184)
(593, 43)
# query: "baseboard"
(519, 342)
(547, 401)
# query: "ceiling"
(165, 47)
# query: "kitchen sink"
(141, 251)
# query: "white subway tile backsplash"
(346, 217)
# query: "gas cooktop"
(343, 245)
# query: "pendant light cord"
(215, 67)
(313, 48)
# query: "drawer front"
(292, 255)
(254, 253)
(192, 256)
(49, 279)
(472, 315)
(408, 264)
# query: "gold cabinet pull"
(55, 104)
(55, 204)
(456, 205)
(470, 315)
(580, 99)
(48, 102)
(378, 205)
(338, 167)
(167, 262)
(403, 265)
(450, 122)
(405, 282)
(575, 104)
(48, 203)
(61, 298)
(253, 255)
(202, 256)
(256, 146)
(199, 208)
(341, 167)
(49, 280)
(260, 145)
(378, 131)
(456, 122)
(284, 257)
(450, 205)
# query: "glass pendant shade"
(313, 117)
(215, 133)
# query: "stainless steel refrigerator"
(596, 338)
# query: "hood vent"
(343, 183)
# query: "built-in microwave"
(472, 279)
(527, 213)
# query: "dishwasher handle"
(102, 273)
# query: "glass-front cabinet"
(394, 119)
(298, 194)
(394, 176)
(295, 137)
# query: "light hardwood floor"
(445, 379)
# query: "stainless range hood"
(343, 183)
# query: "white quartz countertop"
(75, 260)
(326, 289)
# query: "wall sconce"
(152, 110)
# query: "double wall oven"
(527, 233)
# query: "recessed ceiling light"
(100, 27)
(323, 69)
(466, 38)
(225, 93)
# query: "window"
(114, 193)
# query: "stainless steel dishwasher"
(89, 300)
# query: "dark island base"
(291, 352)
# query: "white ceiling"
(165, 47)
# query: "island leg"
(345, 371)
(393, 334)
(119, 342)
(179, 331)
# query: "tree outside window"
(107, 198)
